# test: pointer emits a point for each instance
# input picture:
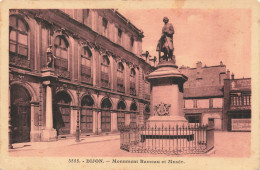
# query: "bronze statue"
(165, 43)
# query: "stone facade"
(203, 94)
(62, 60)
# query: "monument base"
(167, 121)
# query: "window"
(132, 82)
(120, 78)
(132, 41)
(86, 116)
(106, 105)
(61, 47)
(61, 53)
(211, 122)
(133, 116)
(105, 65)
(121, 114)
(146, 112)
(194, 119)
(104, 24)
(86, 65)
(18, 44)
(119, 35)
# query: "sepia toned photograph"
(111, 85)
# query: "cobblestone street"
(226, 145)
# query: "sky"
(206, 35)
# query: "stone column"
(49, 134)
(127, 119)
(49, 116)
(113, 122)
(99, 121)
(73, 120)
(95, 123)
(35, 133)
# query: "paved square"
(227, 144)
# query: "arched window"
(61, 113)
(18, 44)
(132, 82)
(61, 47)
(133, 109)
(146, 112)
(61, 53)
(105, 71)
(106, 105)
(87, 101)
(120, 78)
(86, 116)
(121, 114)
(86, 56)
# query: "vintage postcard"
(129, 84)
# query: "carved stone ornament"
(162, 109)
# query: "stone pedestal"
(167, 96)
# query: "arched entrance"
(106, 105)
(121, 106)
(61, 113)
(20, 114)
(133, 114)
(86, 120)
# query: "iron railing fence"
(192, 139)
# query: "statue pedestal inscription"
(167, 96)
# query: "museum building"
(204, 94)
(74, 65)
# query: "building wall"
(203, 93)
(73, 75)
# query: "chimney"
(232, 76)
(221, 63)
(228, 74)
(147, 56)
(199, 64)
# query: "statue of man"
(50, 58)
(165, 43)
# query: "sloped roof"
(206, 91)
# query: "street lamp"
(78, 114)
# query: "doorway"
(20, 114)
(106, 115)
(61, 113)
